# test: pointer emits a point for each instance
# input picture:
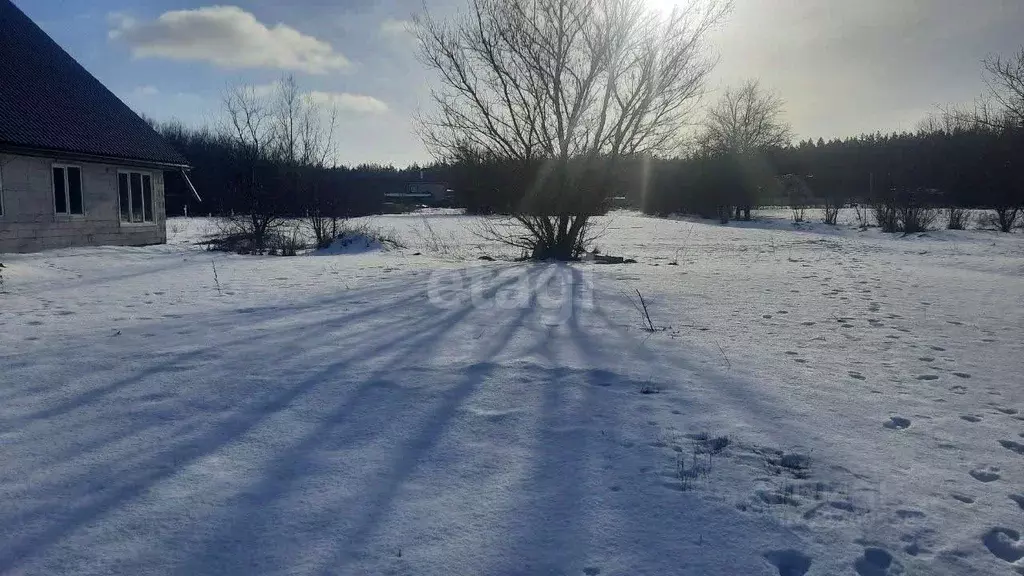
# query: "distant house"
(77, 166)
(421, 192)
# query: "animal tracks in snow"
(986, 474)
(1012, 446)
(897, 423)
(789, 562)
(1005, 544)
(877, 562)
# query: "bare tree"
(1005, 78)
(746, 121)
(304, 134)
(303, 128)
(563, 89)
(250, 127)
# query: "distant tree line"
(969, 168)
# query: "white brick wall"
(29, 224)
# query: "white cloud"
(226, 36)
(343, 102)
(346, 102)
(396, 28)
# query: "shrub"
(913, 219)
(886, 216)
(862, 216)
(1006, 218)
(288, 244)
(831, 212)
(956, 218)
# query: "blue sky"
(843, 67)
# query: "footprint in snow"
(963, 375)
(789, 562)
(857, 375)
(1008, 411)
(958, 390)
(591, 571)
(971, 418)
(1005, 544)
(910, 514)
(926, 359)
(897, 423)
(938, 348)
(962, 498)
(1018, 499)
(986, 474)
(1012, 446)
(791, 353)
(877, 562)
(928, 377)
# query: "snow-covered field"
(812, 401)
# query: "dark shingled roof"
(48, 101)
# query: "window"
(67, 190)
(135, 197)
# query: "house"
(77, 166)
(421, 192)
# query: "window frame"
(152, 197)
(3, 212)
(67, 190)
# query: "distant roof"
(48, 101)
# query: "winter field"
(812, 400)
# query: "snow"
(351, 244)
(814, 400)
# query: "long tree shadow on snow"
(288, 396)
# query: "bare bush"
(831, 216)
(886, 215)
(244, 233)
(956, 218)
(1007, 217)
(862, 215)
(797, 193)
(290, 242)
(323, 227)
(914, 219)
(434, 241)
